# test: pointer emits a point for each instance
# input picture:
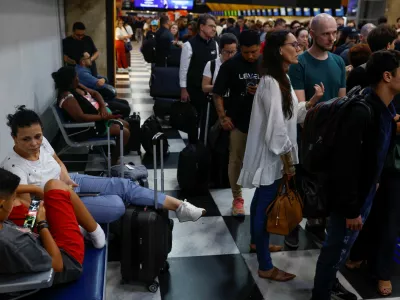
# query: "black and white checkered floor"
(210, 259)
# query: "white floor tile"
(142, 107)
(183, 135)
(223, 198)
(301, 263)
(116, 291)
(348, 286)
(176, 145)
(119, 75)
(124, 90)
(207, 236)
(170, 180)
(134, 80)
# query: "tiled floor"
(210, 259)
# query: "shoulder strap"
(217, 47)
(212, 68)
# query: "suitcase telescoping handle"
(158, 138)
(121, 146)
(207, 120)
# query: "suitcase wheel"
(165, 268)
(153, 287)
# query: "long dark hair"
(273, 66)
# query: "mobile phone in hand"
(30, 219)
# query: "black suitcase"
(147, 236)
(194, 165)
(163, 106)
(183, 117)
(149, 128)
(134, 125)
(164, 82)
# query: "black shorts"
(72, 269)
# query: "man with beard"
(318, 65)
(183, 27)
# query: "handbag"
(128, 46)
(286, 211)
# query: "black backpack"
(150, 128)
(320, 127)
(149, 50)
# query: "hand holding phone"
(30, 219)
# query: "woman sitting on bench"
(35, 162)
(81, 104)
(60, 244)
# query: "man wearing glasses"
(240, 76)
(195, 54)
(78, 43)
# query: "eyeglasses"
(229, 52)
(296, 27)
(294, 44)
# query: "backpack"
(320, 127)
(149, 50)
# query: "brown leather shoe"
(276, 275)
(272, 248)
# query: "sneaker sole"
(291, 245)
(202, 215)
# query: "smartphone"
(30, 219)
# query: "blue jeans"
(335, 250)
(115, 193)
(263, 197)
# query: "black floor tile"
(171, 133)
(222, 277)
(205, 201)
(240, 230)
(366, 286)
(170, 160)
(122, 79)
(141, 101)
(124, 85)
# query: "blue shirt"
(86, 78)
(182, 33)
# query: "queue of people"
(263, 79)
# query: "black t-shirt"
(164, 40)
(74, 48)
(233, 77)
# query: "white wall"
(30, 50)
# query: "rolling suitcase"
(134, 125)
(147, 236)
(194, 165)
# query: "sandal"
(353, 265)
(384, 287)
(272, 248)
(276, 275)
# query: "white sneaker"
(120, 70)
(130, 69)
(189, 212)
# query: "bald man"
(319, 65)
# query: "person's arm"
(48, 242)
(220, 88)
(87, 79)
(30, 189)
(69, 61)
(186, 56)
(95, 56)
(206, 84)
(342, 90)
(64, 176)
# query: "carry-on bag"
(194, 163)
(164, 82)
(149, 128)
(146, 235)
(134, 128)
(163, 106)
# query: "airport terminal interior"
(212, 258)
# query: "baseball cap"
(349, 31)
(154, 23)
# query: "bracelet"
(42, 226)
(41, 222)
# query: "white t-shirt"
(129, 30)
(34, 172)
(207, 69)
(119, 33)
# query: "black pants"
(377, 240)
(119, 106)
